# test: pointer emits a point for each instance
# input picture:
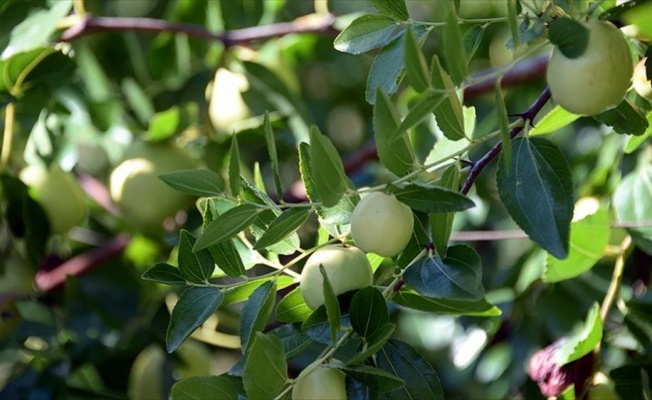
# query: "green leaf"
(273, 156)
(456, 277)
(411, 299)
(234, 166)
(449, 115)
(626, 118)
(283, 226)
(582, 342)
(632, 202)
(418, 113)
(538, 193)
(164, 273)
(503, 124)
(554, 120)
(387, 69)
(635, 142)
(395, 153)
(242, 292)
(512, 20)
(454, 49)
(227, 225)
(366, 33)
(432, 199)
(318, 326)
(472, 39)
(194, 307)
(227, 258)
(204, 387)
(589, 238)
(421, 380)
(197, 182)
(172, 121)
(196, 266)
(374, 343)
(638, 320)
(265, 372)
(294, 341)
(327, 169)
(415, 63)
(331, 305)
(569, 35)
(368, 311)
(418, 241)
(256, 312)
(441, 224)
(376, 378)
(293, 308)
(392, 8)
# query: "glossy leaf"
(256, 312)
(449, 115)
(411, 299)
(366, 33)
(293, 308)
(294, 341)
(441, 224)
(626, 118)
(164, 273)
(503, 125)
(632, 202)
(373, 377)
(395, 152)
(331, 305)
(582, 342)
(454, 49)
(589, 238)
(421, 380)
(283, 226)
(204, 387)
(538, 193)
(415, 63)
(374, 343)
(432, 199)
(318, 328)
(472, 39)
(234, 166)
(227, 258)
(327, 169)
(194, 307)
(422, 109)
(242, 292)
(392, 8)
(265, 371)
(554, 120)
(194, 266)
(197, 182)
(569, 35)
(227, 225)
(273, 156)
(456, 277)
(368, 311)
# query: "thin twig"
(616, 278)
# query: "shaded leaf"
(256, 312)
(293, 308)
(327, 169)
(472, 39)
(569, 35)
(411, 299)
(392, 8)
(227, 225)
(265, 371)
(164, 273)
(415, 63)
(625, 118)
(454, 49)
(234, 166)
(582, 342)
(194, 266)
(283, 226)
(194, 307)
(374, 343)
(368, 311)
(294, 341)
(395, 152)
(432, 199)
(632, 202)
(204, 387)
(449, 115)
(441, 224)
(331, 305)
(373, 377)
(227, 258)
(273, 156)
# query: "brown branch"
(526, 71)
(89, 25)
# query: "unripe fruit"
(347, 269)
(321, 383)
(381, 224)
(598, 79)
(226, 105)
(60, 195)
(144, 199)
(641, 84)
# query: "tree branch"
(88, 25)
(482, 163)
(526, 71)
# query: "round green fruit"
(597, 80)
(347, 269)
(381, 224)
(144, 199)
(59, 193)
(226, 105)
(321, 383)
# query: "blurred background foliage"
(85, 103)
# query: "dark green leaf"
(294, 341)
(196, 266)
(226, 256)
(164, 273)
(318, 328)
(512, 20)
(626, 118)
(376, 378)
(472, 39)
(366, 33)
(395, 152)
(265, 371)
(283, 226)
(418, 242)
(227, 225)
(454, 49)
(368, 311)
(503, 125)
(432, 199)
(392, 8)
(582, 342)
(197, 182)
(639, 322)
(327, 169)
(374, 343)
(234, 166)
(256, 312)
(449, 115)
(331, 305)
(418, 113)
(569, 35)
(538, 193)
(456, 277)
(415, 63)
(204, 387)
(441, 224)
(421, 380)
(194, 307)
(293, 308)
(242, 292)
(411, 299)
(273, 156)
